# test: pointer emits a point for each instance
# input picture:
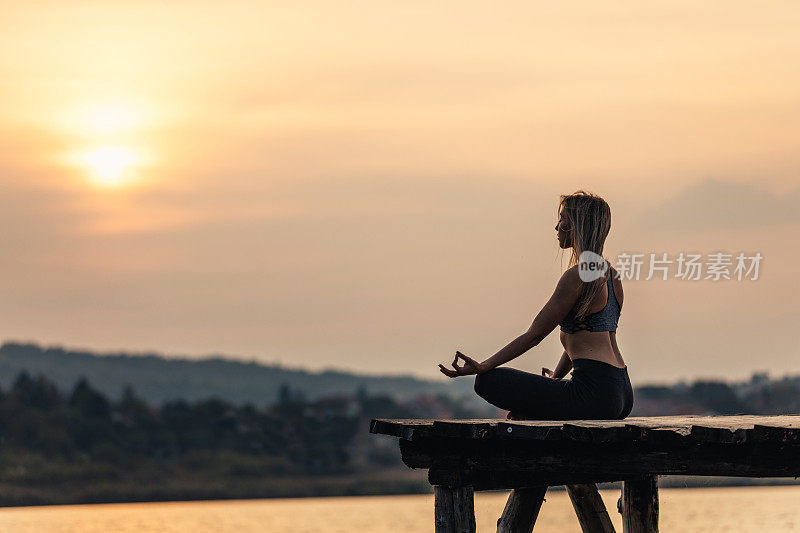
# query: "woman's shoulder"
(571, 275)
(570, 281)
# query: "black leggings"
(597, 390)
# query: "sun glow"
(111, 165)
(111, 117)
(110, 139)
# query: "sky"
(372, 185)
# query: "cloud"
(719, 204)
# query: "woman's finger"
(473, 364)
(447, 372)
(465, 357)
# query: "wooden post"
(454, 509)
(640, 505)
(522, 509)
(590, 508)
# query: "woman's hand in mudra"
(470, 366)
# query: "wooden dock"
(462, 456)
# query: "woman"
(586, 304)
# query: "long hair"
(590, 221)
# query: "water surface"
(730, 509)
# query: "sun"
(111, 165)
(110, 140)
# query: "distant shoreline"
(394, 483)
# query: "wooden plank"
(589, 432)
(729, 421)
(529, 431)
(640, 505)
(521, 510)
(737, 429)
(654, 429)
(405, 429)
(589, 507)
(660, 435)
(497, 479)
(721, 435)
(733, 429)
(454, 509)
(498, 463)
(413, 455)
(579, 430)
(782, 435)
(472, 429)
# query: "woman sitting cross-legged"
(586, 303)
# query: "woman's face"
(564, 230)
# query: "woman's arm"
(564, 366)
(553, 312)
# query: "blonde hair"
(590, 220)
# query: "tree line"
(84, 425)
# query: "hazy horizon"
(371, 187)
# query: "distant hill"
(157, 378)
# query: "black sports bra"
(605, 319)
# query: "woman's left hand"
(470, 366)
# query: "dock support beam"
(454, 509)
(590, 508)
(639, 505)
(522, 509)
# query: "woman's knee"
(484, 380)
(479, 384)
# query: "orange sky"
(373, 185)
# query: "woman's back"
(594, 336)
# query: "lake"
(729, 509)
